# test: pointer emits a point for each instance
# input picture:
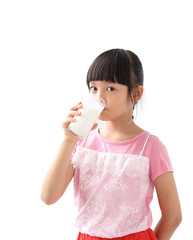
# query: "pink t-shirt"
(113, 183)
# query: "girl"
(116, 167)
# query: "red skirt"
(145, 235)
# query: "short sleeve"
(73, 151)
(80, 142)
(159, 160)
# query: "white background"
(46, 48)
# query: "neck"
(119, 125)
(120, 130)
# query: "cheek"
(124, 107)
(104, 116)
(121, 104)
(115, 108)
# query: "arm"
(61, 171)
(169, 205)
(59, 175)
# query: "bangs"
(112, 66)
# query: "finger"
(73, 113)
(67, 122)
(77, 106)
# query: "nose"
(101, 97)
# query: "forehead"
(103, 82)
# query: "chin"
(103, 118)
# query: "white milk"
(89, 114)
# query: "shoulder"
(156, 149)
(90, 140)
(155, 140)
(154, 145)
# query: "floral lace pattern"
(110, 191)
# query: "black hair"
(117, 66)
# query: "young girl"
(116, 167)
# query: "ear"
(137, 93)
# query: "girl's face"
(118, 103)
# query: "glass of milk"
(90, 112)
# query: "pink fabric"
(113, 183)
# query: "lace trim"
(84, 149)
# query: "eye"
(110, 89)
(93, 89)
